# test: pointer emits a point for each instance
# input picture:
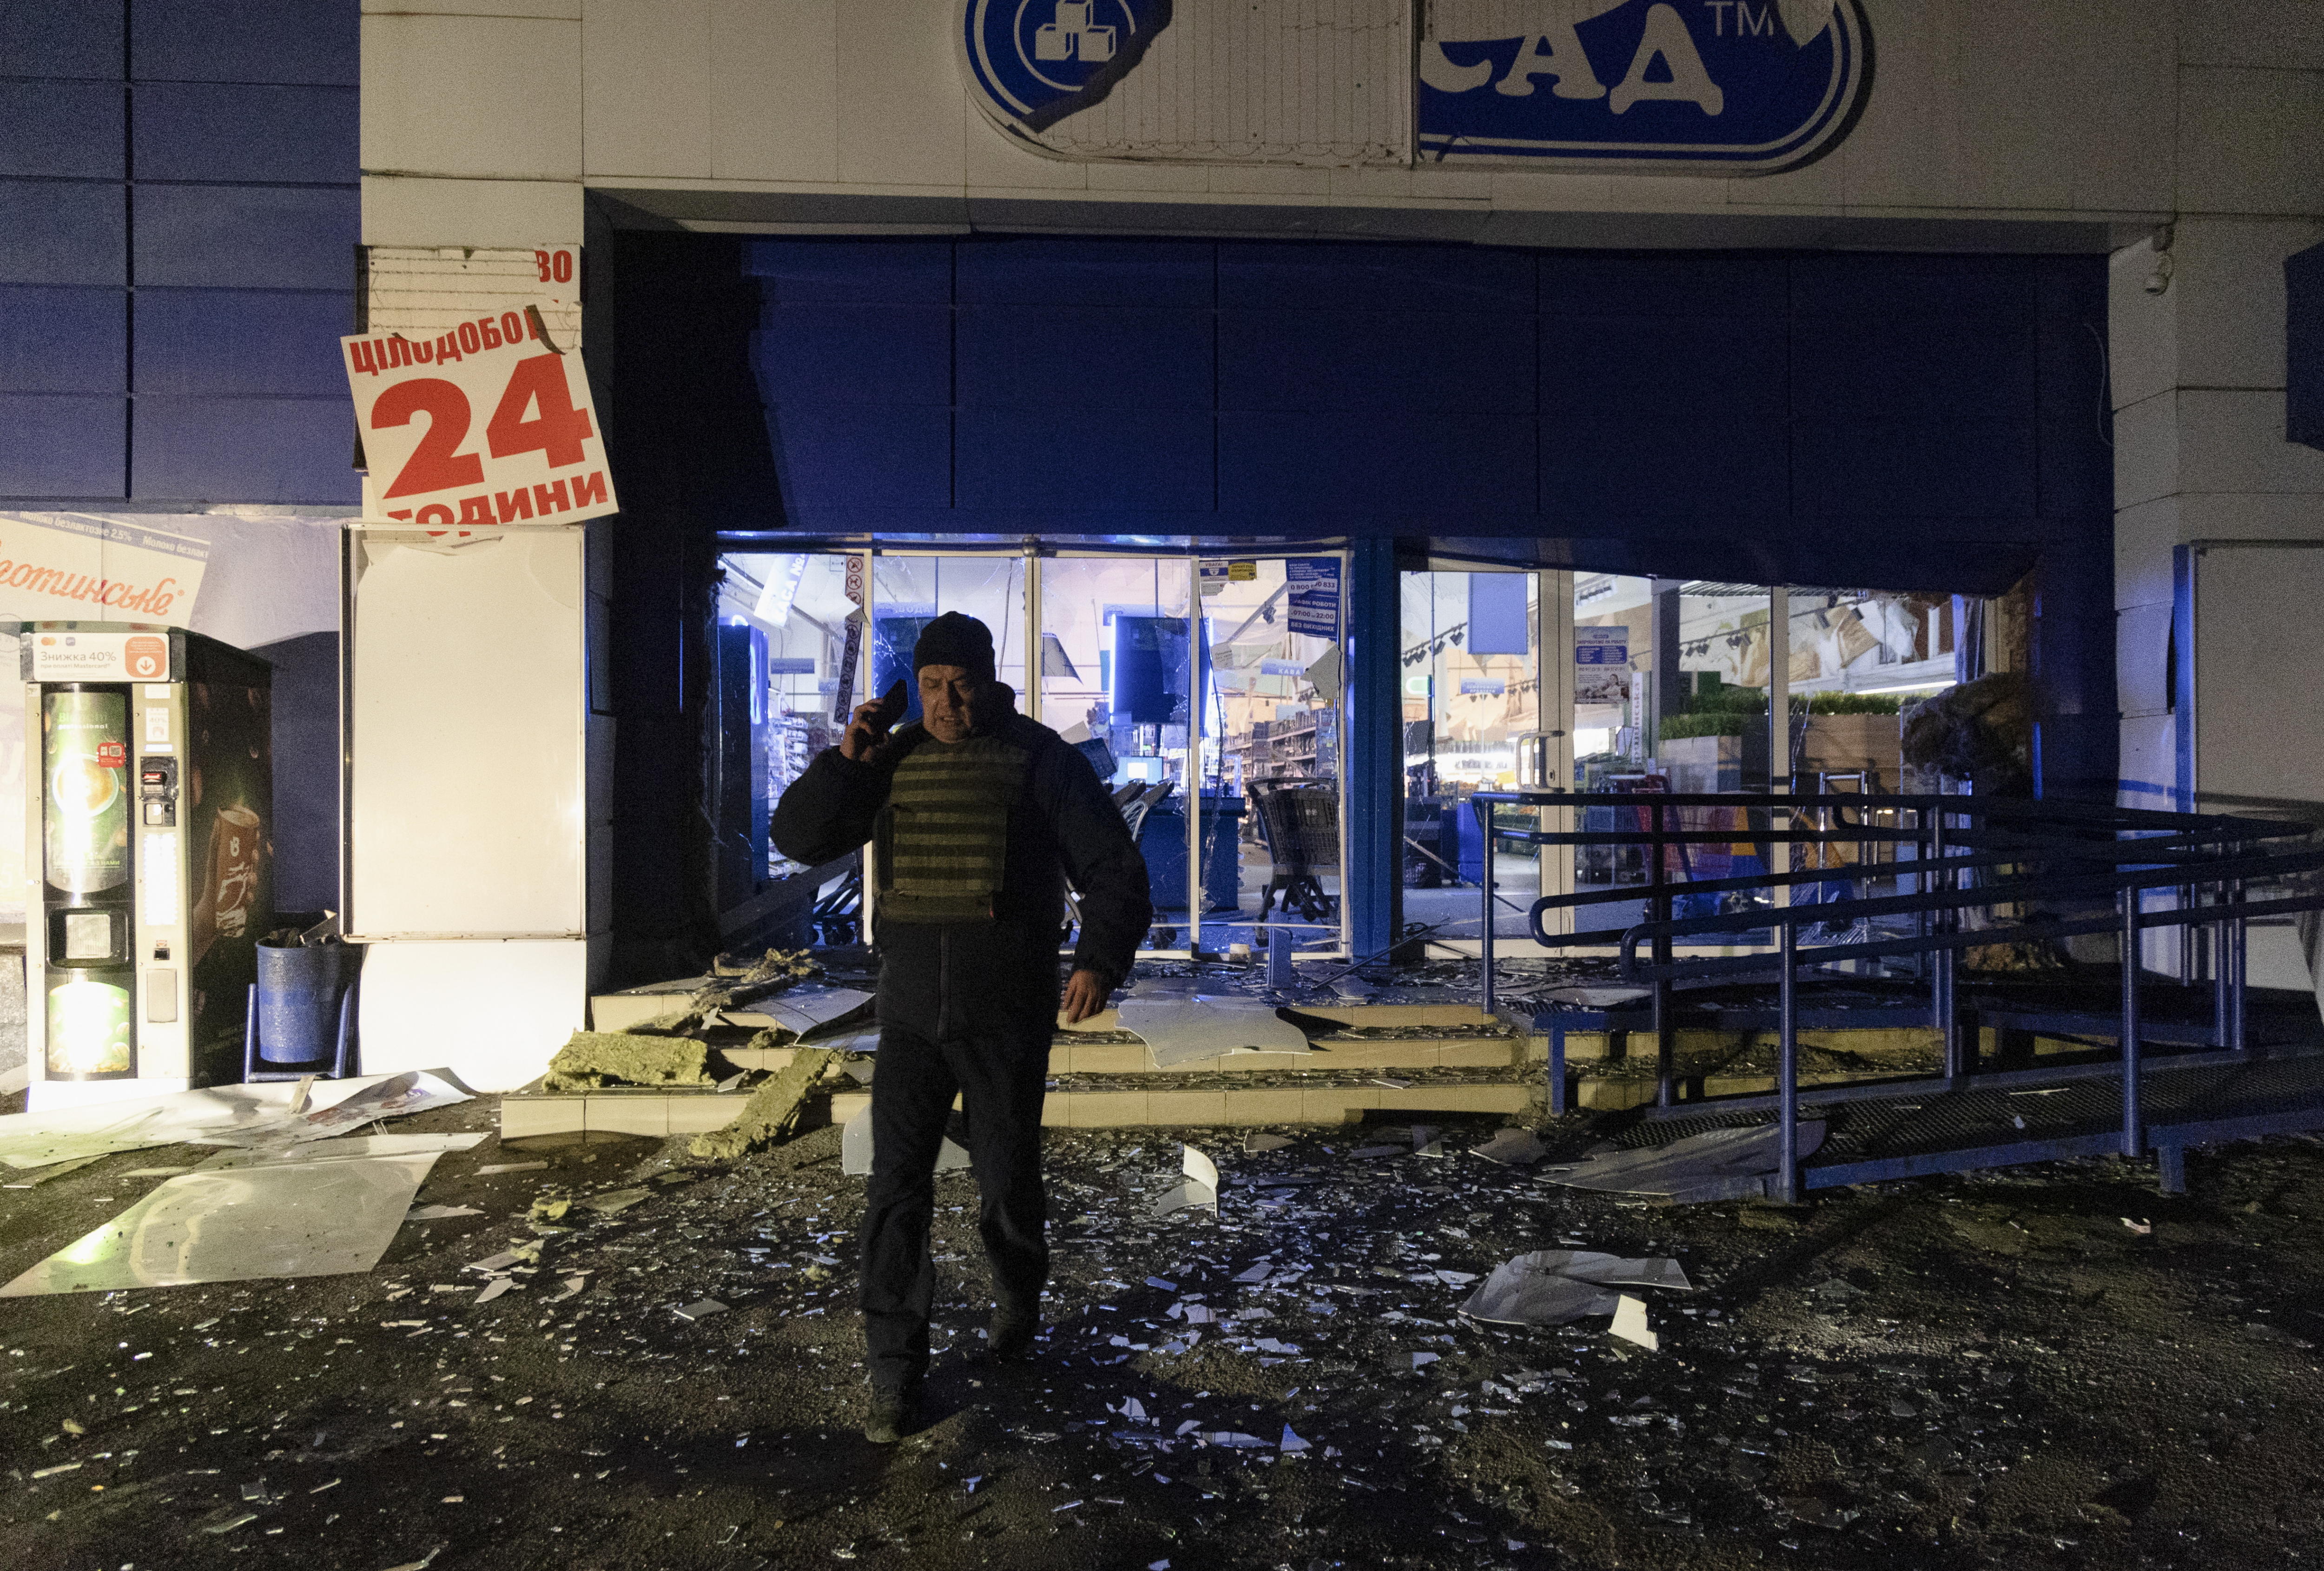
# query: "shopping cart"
(1299, 820)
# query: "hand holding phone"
(872, 722)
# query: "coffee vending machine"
(148, 776)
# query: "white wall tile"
(2150, 757)
(2141, 328)
(2143, 538)
(774, 90)
(2012, 127)
(2119, 87)
(900, 94)
(406, 211)
(472, 95)
(2233, 441)
(2251, 141)
(2227, 275)
(2142, 664)
(1905, 150)
(2290, 515)
(2280, 33)
(2147, 449)
(1177, 178)
(645, 65)
(560, 9)
(996, 161)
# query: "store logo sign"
(1722, 86)
(1033, 62)
(1703, 85)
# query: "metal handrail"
(2135, 850)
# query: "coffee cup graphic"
(234, 850)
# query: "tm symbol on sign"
(1072, 35)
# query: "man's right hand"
(863, 733)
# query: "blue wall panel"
(62, 38)
(1415, 359)
(1261, 275)
(196, 131)
(1699, 467)
(886, 273)
(1089, 273)
(51, 232)
(63, 340)
(222, 343)
(1111, 460)
(1693, 366)
(1667, 285)
(60, 447)
(1321, 464)
(245, 40)
(247, 236)
(855, 353)
(1896, 366)
(1071, 359)
(1854, 472)
(66, 129)
(245, 449)
(865, 456)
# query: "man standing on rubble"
(978, 816)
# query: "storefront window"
(1473, 720)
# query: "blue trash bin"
(300, 989)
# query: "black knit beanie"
(954, 639)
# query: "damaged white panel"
(1293, 82)
(215, 1115)
(802, 1010)
(298, 1218)
(1186, 1031)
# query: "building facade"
(1926, 297)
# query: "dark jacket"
(1063, 827)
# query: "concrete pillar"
(2196, 317)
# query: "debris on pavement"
(240, 1115)
(1200, 1191)
(1185, 1030)
(1630, 1324)
(1722, 1164)
(593, 1060)
(1549, 1287)
(700, 1310)
(308, 1214)
(855, 1145)
(1514, 1147)
(772, 1113)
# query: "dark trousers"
(998, 1069)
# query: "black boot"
(890, 1413)
(1008, 1337)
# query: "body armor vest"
(942, 839)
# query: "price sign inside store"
(482, 425)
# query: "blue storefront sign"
(1699, 85)
(1726, 87)
(1035, 62)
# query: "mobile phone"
(891, 708)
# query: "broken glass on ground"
(1722, 1164)
(1549, 1287)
